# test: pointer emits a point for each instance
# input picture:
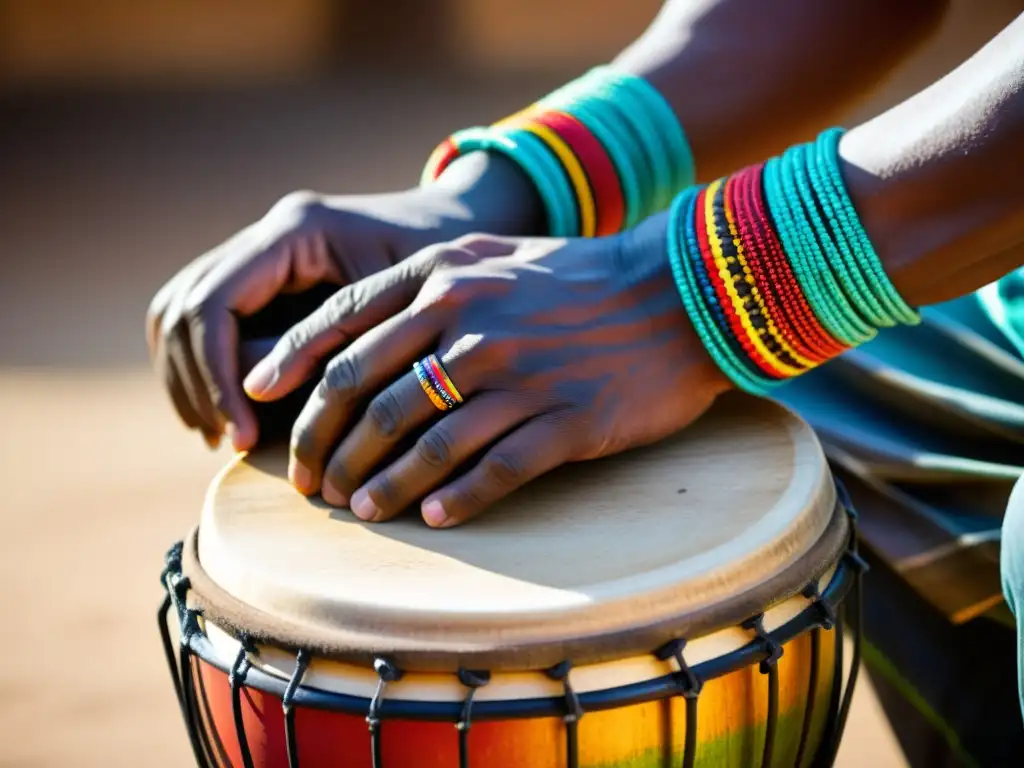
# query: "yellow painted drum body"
(677, 605)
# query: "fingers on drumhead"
(215, 341)
(439, 452)
(533, 449)
(389, 419)
(375, 358)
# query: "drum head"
(594, 561)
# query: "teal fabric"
(1011, 563)
(1003, 302)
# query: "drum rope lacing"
(573, 711)
(690, 687)
(821, 614)
(471, 679)
(236, 678)
(302, 659)
(386, 673)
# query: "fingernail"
(260, 378)
(333, 496)
(212, 440)
(433, 513)
(363, 506)
(232, 434)
(300, 477)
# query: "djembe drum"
(682, 604)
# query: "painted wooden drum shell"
(731, 711)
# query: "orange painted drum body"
(732, 716)
(702, 643)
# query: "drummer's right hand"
(306, 239)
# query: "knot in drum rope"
(573, 712)
(824, 607)
(560, 673)
(690, 685)
(172, 562)
(236, 678)
(768, 643)
(387, 672)
(302, 659)
(471, 679)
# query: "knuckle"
(384, 492)
(435, 447)
(467, 501)
(453, 292)
(337, 474)
(472, 241)
(341, 378)
(196, 305)
(503, 470)
(385, 414)
(300, 206)
(303, 445)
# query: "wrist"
(489, 193)
(642, 255)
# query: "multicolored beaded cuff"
(775, 269)
(611, 152)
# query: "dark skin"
(571, 350)
(723, 65)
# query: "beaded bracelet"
(775, 269)
(604, 151)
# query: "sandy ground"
(102, 199)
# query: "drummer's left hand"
(564, 350)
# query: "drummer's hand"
(306, 239)
(563, 351)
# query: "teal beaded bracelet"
(829, 164)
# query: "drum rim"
(242, 620)
(818, 614)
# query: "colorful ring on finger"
(434, 365)
(426, 379)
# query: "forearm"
(937, 180)
(744, 77)
(747, 78)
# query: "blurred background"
(134, 135)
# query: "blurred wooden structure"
(47, 42)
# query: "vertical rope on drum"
(855, 607)
(827, 621)
(768, 666)
(690, 687)
(839, 703)
(172, 567)
(188, 627)
(163, 622)
(471, 679)
(386, 673)
(236, 678)
(573, 712)
(302, 659)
